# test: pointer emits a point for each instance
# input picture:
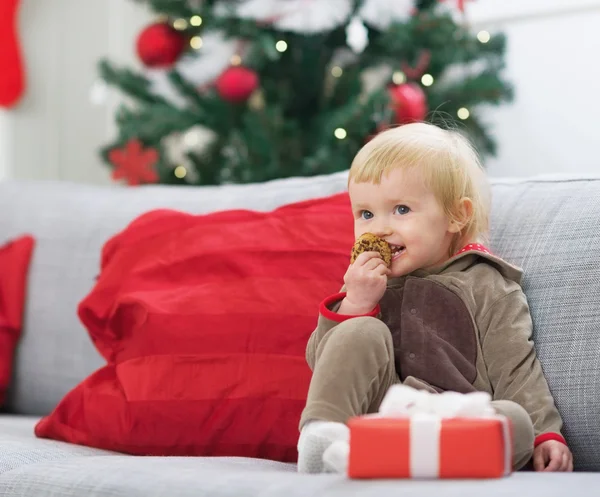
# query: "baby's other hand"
(552, 455)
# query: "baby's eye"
(366, 214)
(401, 209)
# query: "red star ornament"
(134, 164)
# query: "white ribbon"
(426, 412)
(424, 443)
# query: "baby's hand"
(552, 455)
(365, 281)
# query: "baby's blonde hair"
(448, 162)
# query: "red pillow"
(204, 321)
(14, 267)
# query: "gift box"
(426, 444)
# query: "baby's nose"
(382, 231)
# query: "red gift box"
(428, 446)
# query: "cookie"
(372, 243)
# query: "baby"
(446, 315)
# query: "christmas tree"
(306, 83)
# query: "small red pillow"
(204, 321)
(15, 257)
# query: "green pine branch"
(152, 123)
(473, 90)
(134, 85)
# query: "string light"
(281, 46)
(235, 60)
(180, 24)
(463, 113)
(337, 71)
(196, 42)
(427, 80)
(340, 133)
(180, 172)
(398, 77)
(257, 100)
(196, 21)
(483, 36)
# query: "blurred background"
(257, 89)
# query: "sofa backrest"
(550, 227)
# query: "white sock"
(315, 439)
(336, 457)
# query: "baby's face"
(405, 213)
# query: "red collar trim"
(477, 247)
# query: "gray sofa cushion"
(552, 230)
(39, 468)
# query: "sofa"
(550, 226)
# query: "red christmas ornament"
(236, 84)
(134, 164)
(160, 45)
(409, 102)
(12, 79)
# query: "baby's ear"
(463, 214)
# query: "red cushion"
(14, 267)
(204, 321)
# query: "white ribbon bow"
(404, 401)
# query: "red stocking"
(12, 81)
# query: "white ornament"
(357, 35)
(382, 13)
(298, 16)
(197, 137)
(178, 145)
(175, 151)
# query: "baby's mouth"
(397, 251)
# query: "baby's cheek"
(413, 231)
(359, 230)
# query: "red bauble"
(160, 45)
(236, 84)
(409, 102)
